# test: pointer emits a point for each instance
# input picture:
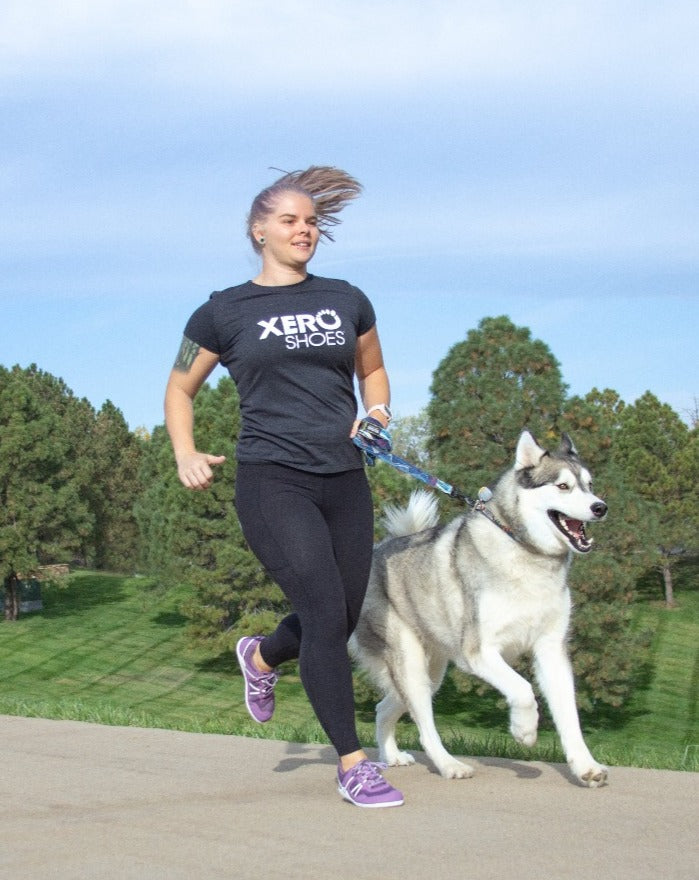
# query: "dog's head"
(556, 498)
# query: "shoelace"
(367, 773)
(263, 684)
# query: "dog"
(480, 592)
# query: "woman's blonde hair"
(329, 188)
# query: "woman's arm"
(192, 367)
(371, 374)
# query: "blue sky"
(532, 159)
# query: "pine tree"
(659, 456)
(116, 453)
(594, 421)
(608, 654)
(45, 469)
(484, 393)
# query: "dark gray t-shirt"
(291, 353)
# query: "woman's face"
(290, 231)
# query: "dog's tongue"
(575, 526)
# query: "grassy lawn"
(112, 650)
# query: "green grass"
(113, 650)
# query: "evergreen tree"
(155, 509)
(116, 453)
(484, 393)
(659, 456)
(45, 469)
(608, 655)
(594, 421)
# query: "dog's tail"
(421, 513)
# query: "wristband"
(384, 409)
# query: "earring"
(262, 240)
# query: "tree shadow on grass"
(83, 593)
(170, 618)
(226, 662)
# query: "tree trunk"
(669, 592)
(11, 597)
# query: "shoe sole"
(348, 797)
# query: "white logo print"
(305, 331)
(322, 319)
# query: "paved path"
(86, 801)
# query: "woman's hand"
(194, 469)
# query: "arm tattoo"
(186, 355)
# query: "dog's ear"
(528, 453)
(567, 446)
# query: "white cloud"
(354, 44)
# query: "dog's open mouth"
(573, 529)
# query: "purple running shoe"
(259, 686)
(364, 786)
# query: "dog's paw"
(454, 769)
(594, 776)
(524, 722)
(398, 759)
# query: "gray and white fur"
(472, 594)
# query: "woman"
(293, 343)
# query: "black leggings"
(313, 533)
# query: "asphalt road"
(87, 801)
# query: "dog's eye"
(563, 487)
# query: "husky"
(480, 592)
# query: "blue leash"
(372, 451)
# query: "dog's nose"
(599, 508)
